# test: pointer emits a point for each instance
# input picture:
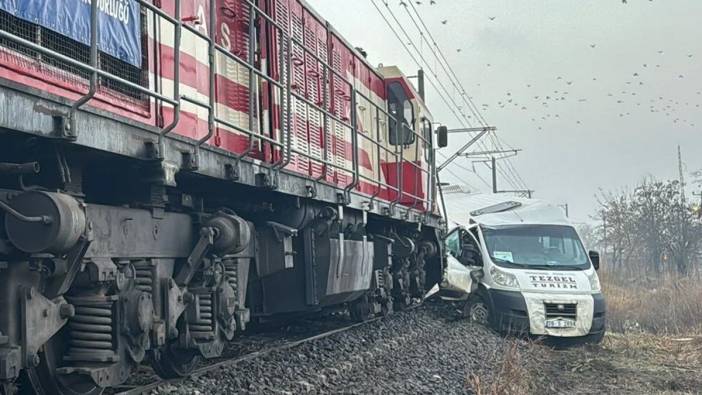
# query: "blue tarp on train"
(119, 22)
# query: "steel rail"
(146, 389)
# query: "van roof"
(463, 208)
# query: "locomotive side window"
(402, 110)
(427, 134)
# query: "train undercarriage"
(107, 262)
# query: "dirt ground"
(631, 364)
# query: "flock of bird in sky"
(630, 96)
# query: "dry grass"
(670, 304)
(512, 376)
(653, 345)
(632, 363)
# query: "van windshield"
(536, 247)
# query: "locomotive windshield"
(401, 109)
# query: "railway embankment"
(431, 350)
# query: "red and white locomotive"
(171, 170)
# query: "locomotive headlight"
(503, 278)
(594, 281)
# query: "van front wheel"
(477, 310)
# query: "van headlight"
(503, 278)
(594, 282)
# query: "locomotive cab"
(409, 134)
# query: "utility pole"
(483, 155)
(565, 208)
(493, 168)
(494, 174)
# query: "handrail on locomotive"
(283, 84)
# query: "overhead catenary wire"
(510, 175)
(462, 179)
(414, 58)
(464, 122)
(514, 177)
(423, 62)
(445, 65)
(456, 164)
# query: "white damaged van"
(521, 267)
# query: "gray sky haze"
(598, 94)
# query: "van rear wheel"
(477, 310)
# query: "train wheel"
(401, 289)
(360, 309)
(43, 379)
(173, 362)
(386, 307)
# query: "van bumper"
(598, 317)
(510, 314)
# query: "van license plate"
(560, 323)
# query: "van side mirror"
(442, 136)
(595, 259)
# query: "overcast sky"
(646, 53)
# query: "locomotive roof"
(363, 59)
(387, 72)
(341, 38)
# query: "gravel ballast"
(430, 350)
(424, 350)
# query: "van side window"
(453, 243)
(470, 250)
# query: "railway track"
(147, 388)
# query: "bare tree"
(588, 235)
(652, 228)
